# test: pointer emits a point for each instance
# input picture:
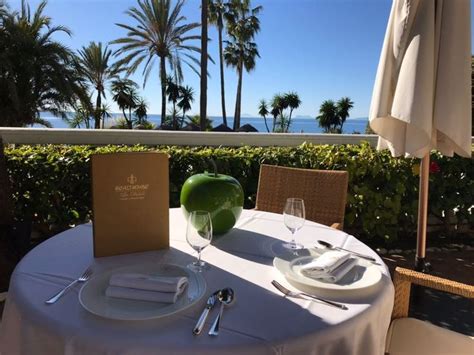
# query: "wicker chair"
(413, 336)
(324, 192)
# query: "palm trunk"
(266, 125)
(274, 124)
(282, 121)
(175, 121)
(238, 99)
(129, 122)
(203, 103)
(163, 89)
(288, 124)
(125, 116)
(221, 60)
(98, 105)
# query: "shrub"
(52, 182)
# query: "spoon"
(202, 319)
(226, 297)
(330, 246)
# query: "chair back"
(324, 192)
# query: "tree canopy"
(160, 32)
(332, 115)
(37, 73)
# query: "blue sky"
(322, 49)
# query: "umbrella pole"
(420, 263)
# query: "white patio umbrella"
(422, 95)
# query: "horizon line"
(217, 116)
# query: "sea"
(298, 125)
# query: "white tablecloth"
(260, 321)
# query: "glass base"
(198, 266)
(293, 246)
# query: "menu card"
(130, 202)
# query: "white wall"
(130, 137)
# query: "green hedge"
(52, 182)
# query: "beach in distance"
(298, 125)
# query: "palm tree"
(203, 92)
(126, 97)
(141, 110)
(293, 101)
(275, 112)
(344, 105)
(81, 117)
(241, 53)
(196, 120)
(276, 105)
(187, 98)
(104, 113)
(160, 32)
(240, 56)
(217, 9)
(263, 111)
(279, 104)
(36, 73)
(328, 116)
(173, 92)
(95, 64)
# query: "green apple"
(221, 195)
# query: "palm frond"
(160, 31)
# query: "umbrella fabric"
(422, 97)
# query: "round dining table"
(261, 320)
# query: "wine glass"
(199, 236)
(294, 217)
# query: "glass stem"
(293, 241)
(199, 257)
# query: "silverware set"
(83, 278)
(211, 301)
(328, 245)
(225, 297)
(303, 295)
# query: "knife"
(211, 301)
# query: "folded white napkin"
(141, 295)
(145, 287)
(330, 267)
(327, 262)
(336, 274)
(149, 282)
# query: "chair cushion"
(413, 336)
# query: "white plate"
(364, 274)
(92, 295)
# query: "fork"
(83, 278)
(289, 293)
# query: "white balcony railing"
(130, 137)
(183, 138)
